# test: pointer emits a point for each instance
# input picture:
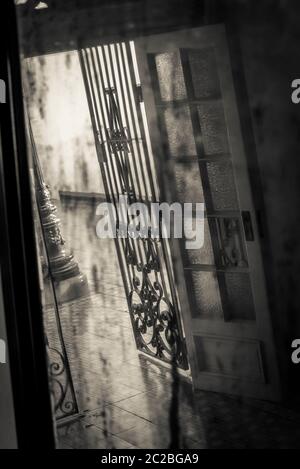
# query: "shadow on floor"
(124, 399)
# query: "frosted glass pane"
(222, 186)
(179, 131)
(206, 295)
(170, 76)
(213, 127)
(203, 255)
(188, 182)
(240, 300)
(204, 73)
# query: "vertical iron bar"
(109, 193)
(132, 105)
(137, 251)
(126, 116)
(117, 88)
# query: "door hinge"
(139, 93)
(248, 228)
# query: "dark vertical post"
(26, 343)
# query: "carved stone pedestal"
(69, 282)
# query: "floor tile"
(147, 435)
(82, 435)
(114, 419)
(125, 398)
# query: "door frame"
(19, 263)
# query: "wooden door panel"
(196, 137)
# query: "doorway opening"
(156, 120)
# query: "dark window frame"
(20, 281)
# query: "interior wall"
(268, 34)
(61, 123)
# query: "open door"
(190, 104)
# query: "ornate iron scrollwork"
(125, 162)
(64, 400)
(154, 316)
(155, 321)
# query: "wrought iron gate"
(123, 147)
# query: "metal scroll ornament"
(154, 315)
(65, 403)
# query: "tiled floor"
(124, 399)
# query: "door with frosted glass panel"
(194, 125)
